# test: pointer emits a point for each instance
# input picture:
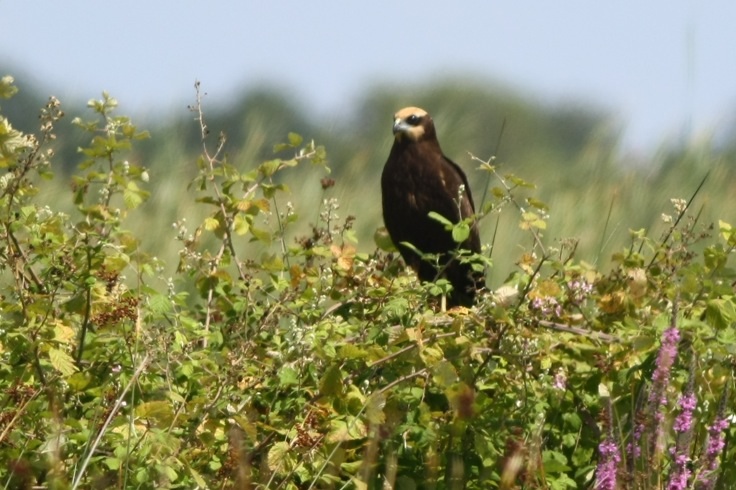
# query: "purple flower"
(660, 379)
(680, 472)
(560, 380)
(547, 306)
(666, 357)
(714, 446)
(607, 470)
(684, 420)
(578, 290)
(679, 481)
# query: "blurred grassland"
(595, 193)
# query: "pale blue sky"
(654, 64)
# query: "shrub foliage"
(275, 358)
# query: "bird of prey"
(416, 180)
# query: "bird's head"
(412, 124)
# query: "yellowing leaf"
(158, 410)
(7, 89)
(345, 256)
(279, 460)
(346, 430)
(211, 224)
(62, 362)
(11, 142)
(63, 333)
(357, 484)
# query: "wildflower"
(607, 470)
(684, 421)
(680, 473)
(649, 414)
(660, 380)
(679, 204)
(547, 306)
(665, 359)
(707, 478)
(678, 481)
(579, 290)
(608, 454)
(560, 380)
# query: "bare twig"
(118, 403)
(509, 194)
(580, 331)
(17, 415)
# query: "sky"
(663, 69)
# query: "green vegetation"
(264, 341)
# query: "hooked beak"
(400, 126)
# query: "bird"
(416, 180)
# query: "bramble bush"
(278, 358)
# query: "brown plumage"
(417, 179)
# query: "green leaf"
(519, 182)
(331, 382)
(288, 376)
(444, 374)
(383, 240)
(720, 312)
(351, 351)
(554, 462)
(159, 304)
(536, 203)
(295, 139)
(241, 225)
(160, 411)
(133, 196)
(460, 232)
(441, 219)
(79, 381)
(62, 362)
(201, 483)
(167, 472)
(268, 168)
(261, 234)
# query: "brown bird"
(416, 180)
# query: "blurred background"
(610, 109)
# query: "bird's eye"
(413, 119)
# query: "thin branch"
(421, 372)
(580, 331)
(111, 415)
(508, 189)
(680, 216)
(17, 415)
